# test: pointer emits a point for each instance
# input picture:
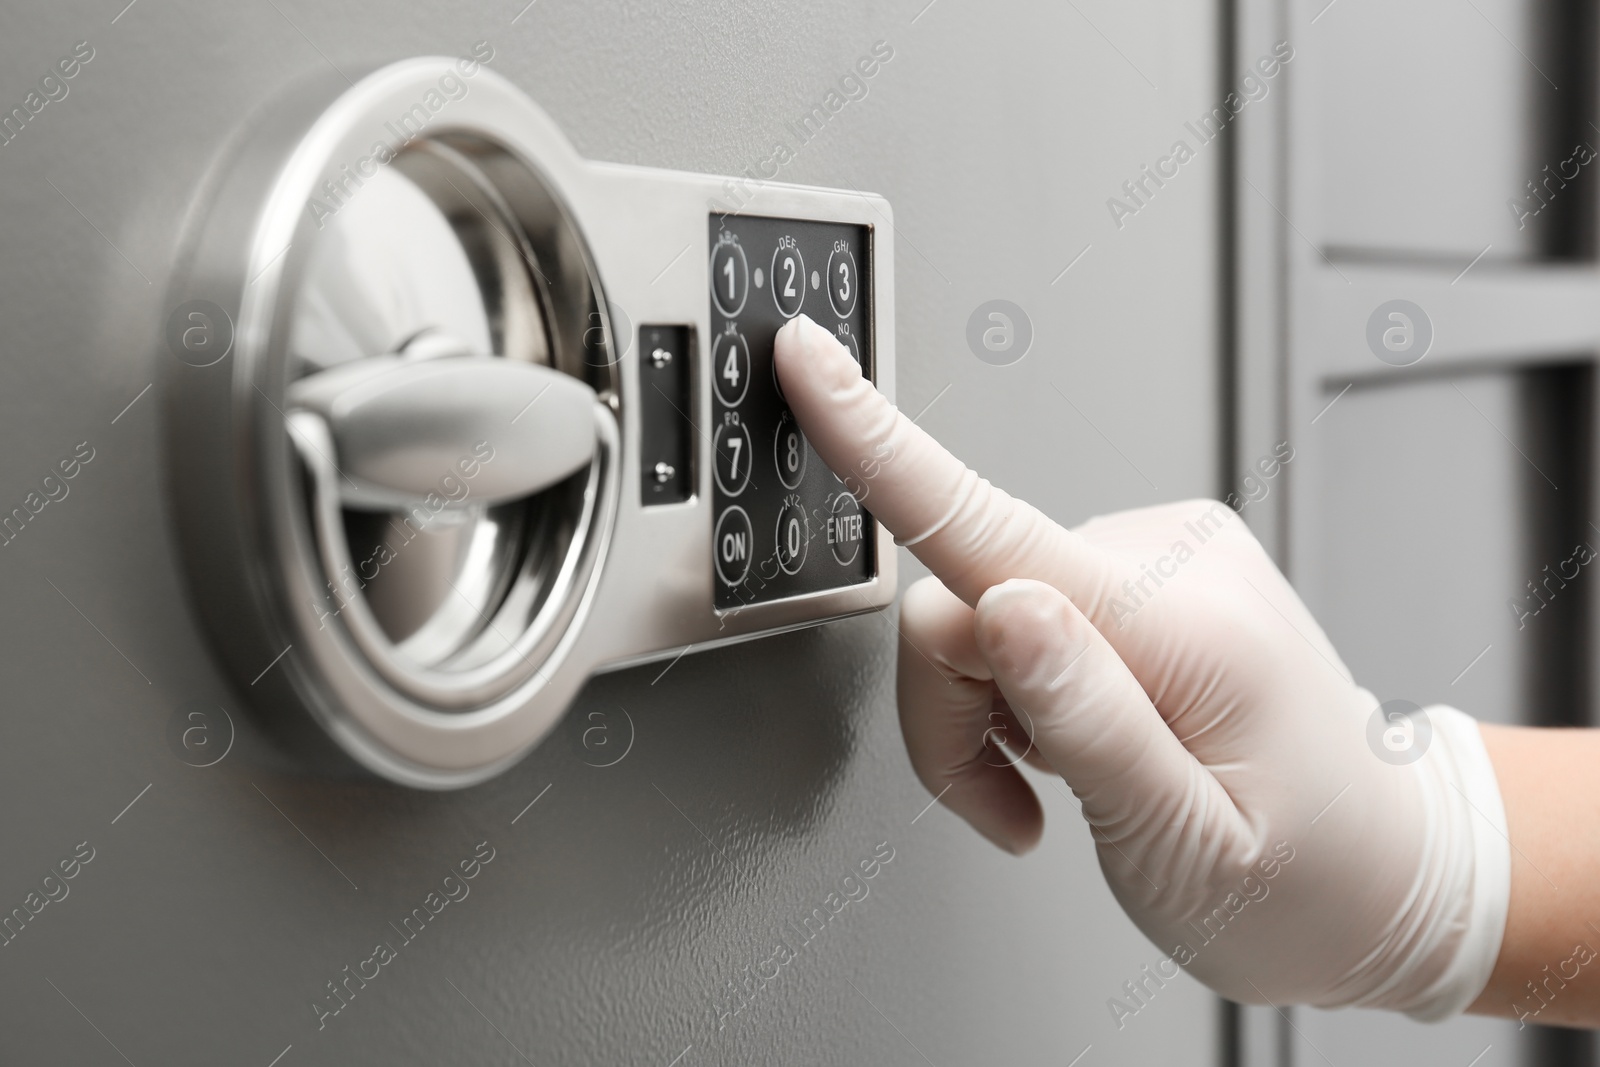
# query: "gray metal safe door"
(718, 854)
(1417, 307)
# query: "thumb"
(1094, 724)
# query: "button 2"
(732, 544)
(730, 277)
(731, 368)
(788, 277)
(734, 451)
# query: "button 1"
(789, 451)
(734, 455)
(788, 277)
(794, 535)
(732, 543)
(731, 368)
(730, 277)
(845, 529)
(842, 280)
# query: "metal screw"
(660, 357)
(665, 472)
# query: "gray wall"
(620, 905)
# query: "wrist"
(1467, 852)
(1546, 971)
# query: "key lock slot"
(399, 471)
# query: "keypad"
(784, 523)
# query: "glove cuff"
(1470, 827)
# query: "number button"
(732, 369)
(730, 278)
(794, 535)
(789, 451)
(734, 453)
(732, 545)
(849, 341)
(842, 282)
(788, 277)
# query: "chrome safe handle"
(399, 423)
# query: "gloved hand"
(1158, 661)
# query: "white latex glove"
(1218, 744)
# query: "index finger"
(969, 533)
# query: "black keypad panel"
(784, 524)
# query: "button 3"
(842, 280)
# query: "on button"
(732, 545)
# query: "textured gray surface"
(620, 905)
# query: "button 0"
(731, 545)
(794, 535)
(845, 529)
(788, 277)
(789, 451)
(842, 280)
(730, 277)
(731, 368)
(734, 453)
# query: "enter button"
(845, 529)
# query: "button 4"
(730, 366)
